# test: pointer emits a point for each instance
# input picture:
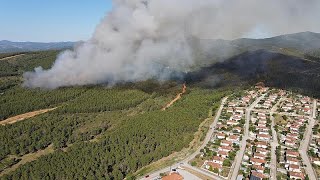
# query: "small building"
(262, 151)
(290, 143)
(218, 159)
(257, 176)
(258, 168)
(237, 129)
(232, 122)
(262, 144)
(223, 154)
(296, 175)
(256, 161)
(221, 135)
(291, 153)
(225, 148)
(233, 138)
(213, 165)
(173, 176)
(291, 160)
(294, 168)
(259, 156)
(226, 143)
(263, 137)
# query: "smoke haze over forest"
(139, 39)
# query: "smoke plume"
(142, 39)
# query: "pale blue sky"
(50, 20)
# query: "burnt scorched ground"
(274, 69)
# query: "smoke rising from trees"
(142, 39)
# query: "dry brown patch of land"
(22, 117)
(28, 158)
(280, 120)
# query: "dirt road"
(10, 57)
(22, 117)
(184, 89)
(28, 158)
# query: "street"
(274, 143)
(305, 144)
(240, 154)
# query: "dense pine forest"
(96, 132)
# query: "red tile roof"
(217, 158)
(262, 143)
(292, 159)
(292, 153)
(293, 166)
(173, 176)
(258, 167)
(226, 142)
(223, 153)
(295, 174)
(214, 165)
(256, 160)
(259, 155)
(257, 174)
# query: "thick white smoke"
(139, 36)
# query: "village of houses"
(265, 133)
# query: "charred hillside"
(275, 69)
(302, 41)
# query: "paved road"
(187, 175)
(240, 153)
(204, 172)
(305, 144)
(155, 174)
(209, 133)
(274, 143)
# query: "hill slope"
(302, 45)
(275, 69)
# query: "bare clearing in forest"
(24, 116)
(10, 57)
(28, 158)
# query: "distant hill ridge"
(302, 41)
(9, 46)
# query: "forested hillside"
(128, 142)
(12, 66)
(96, 132)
